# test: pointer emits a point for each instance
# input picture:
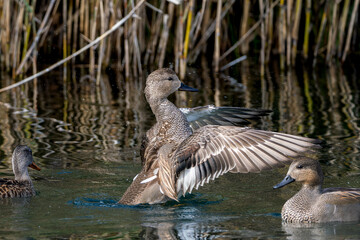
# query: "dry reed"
(149, 36)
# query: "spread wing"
(341, 195)
(214, 150)
(225, 116)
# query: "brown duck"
(313, 203)
(189, 147)
(22, 185)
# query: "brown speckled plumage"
(188, 147)
(22, 185)
(314, 204)
(10, 188)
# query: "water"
(86, 139)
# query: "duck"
(22, 185)
(313, 204)
(188, 147)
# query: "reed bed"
(174, 33)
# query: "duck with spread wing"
(188, 147)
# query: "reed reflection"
(67, 121)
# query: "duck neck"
(21, 172)
(164, 109)
(171, 122)
(308, 193)
(311, 188)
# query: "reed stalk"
(126, 47)
(15, 44)
(150, 44)
(321, 32)
(307, 29)
(165, 34)
(282, 32)
(179, 40)
(262, 29)
(137, 54)
(28, 23)
(217, 36)
(350, 30)
(183, 60)
(332, 34)
(64, 32)
(288, 31)
(295, 30)
(164, 39)
(342, 26)
(33, 45)
(92, 37)
(199, 22)
(110, 16)
(76, 27)
(82, 25)
(5, 32)
(244, 25)
(150, 38)
(156, 32)
(70, 26)
(101, 45)
(188, 28)
(209, 31)
(248, 33)
(96, 41)
(269, 15)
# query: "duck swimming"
(22, 185)
(189, 147)
(313, 203)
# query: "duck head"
(306, 171)
(163, 82)
(22, 159)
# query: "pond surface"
(86, 139)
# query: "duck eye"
(299, 166)
(170, 78)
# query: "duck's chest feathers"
(298, 209)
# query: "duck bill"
(183, 87)
(284, 182)
(34, 166)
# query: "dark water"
(86, 139)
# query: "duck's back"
(11, 188)
(338, 204)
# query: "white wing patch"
(135, 177)
(150, 178)
(186, 181)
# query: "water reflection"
(19, 214)
(322, 231)
(87, 139)
(75, 114)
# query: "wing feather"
(222, 116)
(341, 195)
(215, 150)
